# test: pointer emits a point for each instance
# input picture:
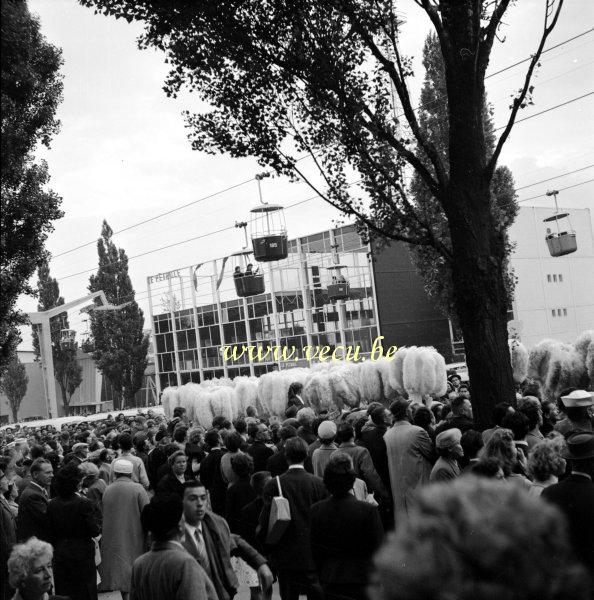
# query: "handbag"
(280, 517)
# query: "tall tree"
(287, 77)
(67, 370)
(433, 121)
(14, 384)
(120, 344)
(31, 89)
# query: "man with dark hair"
(277, 464)
(500, 411)
(210, 471)
(471, 442)
(32, 517)
(259, 451)
(345, 533)
(461, 416)
(372, 438)
(139, 471)
(167, 570)
(362, 463)
(157, 457)
(574, 496)
(207, 538)
(292, 555)
(410, 456)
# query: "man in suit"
(210, 471)
(574, 496)
(292, 555)
(33, 502)
(167, 570)
(207, 538)
(259, 450)
(345, 533)
(461, 416)
(410, 456)
(372, 438)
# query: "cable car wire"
(234, 186)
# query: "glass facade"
(202, 329)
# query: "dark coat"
(250, 517)
(302, 490)
(277, 464)
(170, 484)
(460, 422)
(8, 539)
(345, 533)
(156, 459)
(373, 439)
(238, 495)
(72, 522)
(32, 519)
(212, 478)
(260, 454)
(575, 497)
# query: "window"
(564, 312)
(558, 312)
(553, 312)
(560, 278)
(549, 278)
(555, 277)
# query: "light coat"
(410, 452)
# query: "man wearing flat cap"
(576, 404)
(574, 496)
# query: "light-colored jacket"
(138, 471)
(410, 453)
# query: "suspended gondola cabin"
(268, 232)
(248, 281)
(560, 237)
(67, 339)
(338, 288)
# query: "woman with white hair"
(30, 570)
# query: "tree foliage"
(31, 89)
(67, 370)
(433, 120)
(120, 344)
(287, 77)
(14, 384)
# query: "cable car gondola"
(560, 242)
(67, 339)
(339, 288)
(248, 281)
(268, 229)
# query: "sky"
(122, 153)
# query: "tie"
(202, 554)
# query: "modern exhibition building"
(333, 295)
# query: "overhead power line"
(568, 187)
(234, 186)
(555, 177)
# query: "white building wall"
(554, 296)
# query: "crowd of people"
(390, 502)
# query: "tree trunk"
(14, 410)
(478, 246)
(65, 401)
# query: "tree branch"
(519, 100)
(490, 32)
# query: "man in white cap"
(122, 540)
(321, 455)
(576, 404)
(449, 449)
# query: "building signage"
(164, 276)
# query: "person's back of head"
(471, 442)
(287, 432)
(234, 442)
(295, 451)
(125, 442)
(242, 465)
(519, 547)
(306, 416)
(517, 423)
(178, 412)
(37, 451)
(252, 430)
(161, 516)
(212, 438)
(422, 417)
(378, 416)
(259, 480)
(345, 433)
(457, 404)
(499, 413)
(180, 433)
(339, 475)
(400, 409)
(240, 425)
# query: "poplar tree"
(14, 384)
(120, 345)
